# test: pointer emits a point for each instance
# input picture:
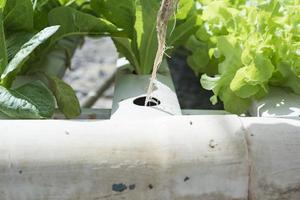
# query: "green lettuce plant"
(243, 47)
(30, 31)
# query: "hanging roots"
(167, 10)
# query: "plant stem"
(167, 9)
(3, 50)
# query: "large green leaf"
(15, 65)
(43, 7)
(240, 85)
(124, 47)
(119, 12)
(184, 24)
(146, 35)
(41, 11)
(138, 19)
(186, 8)
(230, 48)
(3, 51)
(74, 22)
(183, 31)
(55, 60)
(250, 79)
(199, 61)
(31, 101)
(66, 99)
(18, 15)
(15, 41)
(233, 103)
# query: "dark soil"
(189, 91)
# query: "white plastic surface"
(279, 103)
(180, 157)
(274, 157)
(211, 157)
(130, 87)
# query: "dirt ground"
(91, 66)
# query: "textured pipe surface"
(181, 157)
(170, 158)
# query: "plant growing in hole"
(148, 29)
(137, 18)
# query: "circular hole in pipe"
(140, 101)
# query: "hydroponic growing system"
(246, 52)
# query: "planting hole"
(141, 101)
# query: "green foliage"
(15, 41)
(3, 50)
(18, 15)
(2, 4)
(26, 38)
(31, 101)
(243, 48)
(120, 13)
(31, 34)
(65, 96)
(137, 18)
(15, 65)
(74, 22)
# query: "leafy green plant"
(30, 34)
(137, 18)
(34, 32)
(243, 47)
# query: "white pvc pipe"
(184, 157)
(179, 157)
(274, 158)
(129, 87)
(279, 103)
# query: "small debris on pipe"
(120, 187)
